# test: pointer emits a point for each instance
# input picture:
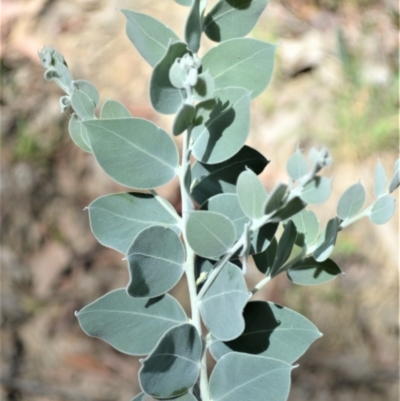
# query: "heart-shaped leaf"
(252, 195)
(289, 209)
(317, 190)
(114, 109)
(383, 210)
(88, 88)
(351, 202)
(156, 262)
(232, 19)
(310, 272)
(228, 205)
(210, 234)
(134, 152)
(121, 320)
(174, 365)
(246, 63)
(224, 129)
(238, 377)
(222, 305)
(78, 133)
(150, 37)
(307, 225)
(268, 326)
(116, 219)
(213, 179)
(83, 105)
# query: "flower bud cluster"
(184, 71)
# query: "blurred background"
(335, 84)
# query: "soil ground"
(335, 84)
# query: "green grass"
(25, 146)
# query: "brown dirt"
(51, 264)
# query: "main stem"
(187, 207)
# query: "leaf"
(317, 190)
(395, 180)
(285, 246)
(184, 119)
(307, 226)
(116, 219)
(184, 2)
(121, 320)
(114, 109)
(174, 365)
(164, 97)
(228, 205)
(224, 130)
(297, 165)
(232, 19)
(380, 179)
(383, 209)
(246, 63)
(292, 207)
(264, 260)
(193, 27)
(88, 88)
(56, 68)
(222, 305)
(327, 240)
(65, 103)
(238, 377)
(78, 133)
(146, 397)
(134, 152)
(271, 331)
(82, 105)
(213, 179)
(276, 198)
(205, 86)
(156, 262)
(310, 272)
(210, 234)
(251, 194)
(150, 37)
(351, 201)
